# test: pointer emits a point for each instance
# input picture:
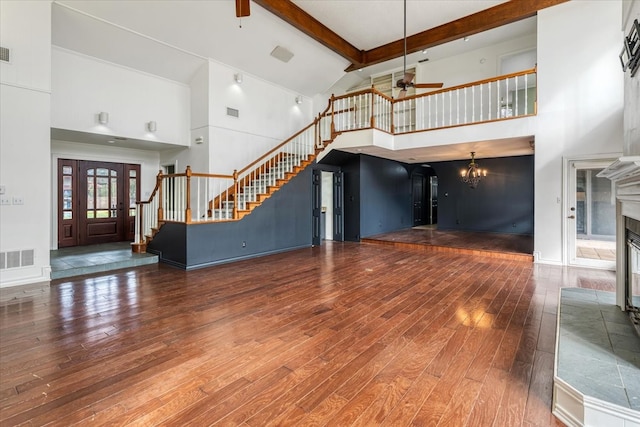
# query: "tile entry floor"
(598, 348)
(79, 260)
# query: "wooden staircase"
(253, 192)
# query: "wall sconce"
(103, 118)
(152, 126)
(238, 77)
(298, 99)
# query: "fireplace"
(625, 174)
(632, 279)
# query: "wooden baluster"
(333, 124)
(187, 211)
(373, 117)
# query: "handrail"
(220, 197)
(279, 146)
(476, 83)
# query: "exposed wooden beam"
(484, 20)
(306, 23)
(502, 14)
(242, 8)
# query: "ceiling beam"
(502, 14)
(289, 12)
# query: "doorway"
(328, 208)
(591, 230)
(96, 202)
(424, 196)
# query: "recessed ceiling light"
(424, 50)
(111, 141)
(466, 39)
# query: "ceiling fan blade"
(428, 85)
(408, 77)
(242, 8)
(402, 94)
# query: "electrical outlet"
(18, 201)
(5, 201)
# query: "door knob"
(571, 217)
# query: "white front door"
(590, 216)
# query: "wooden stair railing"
(194, 197)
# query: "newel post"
(160, 199)
(333, 124)
(187, 211)
(235, 194)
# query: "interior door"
(433, 204)
(316, 179)
(417, 185)
(590, 216)
(338, 206)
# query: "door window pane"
(602, 207)
(114, 197)
(90, 193)
(102, 193)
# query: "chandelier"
(473, 174)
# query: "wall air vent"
(5, 54)
(282, 54)
(233, 112)
(15, 259)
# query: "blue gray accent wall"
(502, 202)
(385, 196)
(281, 223)
(377, 194)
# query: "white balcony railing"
(196, 197)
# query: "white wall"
(471, 66)
(268, 116)
(580, 101)
(149, 162)
(83, 86)
(25, 28)
(631, 90)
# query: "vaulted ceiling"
(328, 38)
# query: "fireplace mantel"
(625, 173)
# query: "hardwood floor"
(342, 334)
(516, 247)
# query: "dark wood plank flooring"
(517, 247)
(342, 334)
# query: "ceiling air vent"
(233, 112)
(282, 54)
(5, 54)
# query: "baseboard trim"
(243, 258)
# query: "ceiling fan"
(407, 80)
